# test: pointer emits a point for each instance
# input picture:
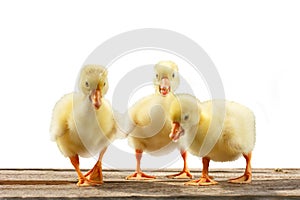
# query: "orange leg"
(82, 181)
(185, 173)
(138, 174)
(247, 177)
(95, 174)
(204, 179)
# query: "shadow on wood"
(51, 183)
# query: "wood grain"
(53, 183)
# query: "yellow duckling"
(151, 124)
(216, 130)
(82, 123)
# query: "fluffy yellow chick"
(151, 125)
(82, 123)
(216, 130)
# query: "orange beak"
(96, 98)
(164, 86)
(176, 132)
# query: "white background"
(255, 46)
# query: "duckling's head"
(166, 77)
(184, 114)
(93, 83)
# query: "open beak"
(164, 86)
(177, 132)
(96, 98)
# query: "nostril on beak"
(164, 86)
(96, 98)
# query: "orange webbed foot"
(246, 178)
(84, 182)
(185, 174)
(94, 176)
(203, 181)
(139, 176)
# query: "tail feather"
(60, 116)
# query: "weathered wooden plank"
(49, 183)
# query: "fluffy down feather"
(216, 130)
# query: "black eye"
(156, 75)
(87, 84)
(186, 117)
(173, 75)
(104, 84)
